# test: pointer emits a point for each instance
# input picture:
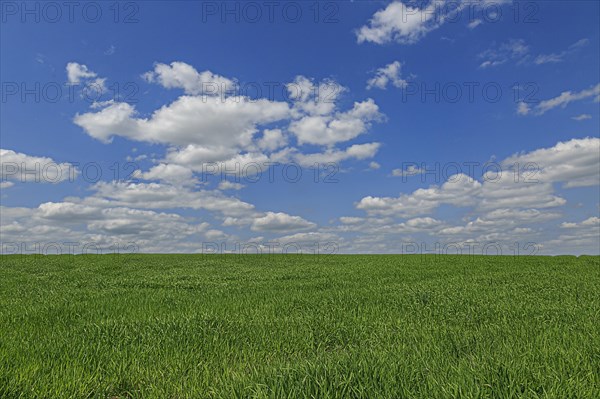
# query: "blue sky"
(375, 94)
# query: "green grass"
(288, 326)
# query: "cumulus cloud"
(165, 196)
(280, 222)
(356, 151)
(81, 74)
(389, 74)
(234, 130)
(311, 98)
(310, 242)
(196, 120)
(508, 193)
(227, 185)
(77, 72)
(575, 163)
(169, 173)
(410, 170)
(577, 237)
(501, 209)
(73, 227)
(459, 190)
(593, 221)
(338, 127)
(21, 167)
(272, 139)
(179, 75)
(142, 214)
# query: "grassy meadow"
(293, 326)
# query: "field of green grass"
(290, 326)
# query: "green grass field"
(289, 326)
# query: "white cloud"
(459, 190)
(548, 58)
(280, 222)
(409, 22)
(411, 170)
(378, 226)
(195, 156)
(579, 44)
(180, 75)
(356, 151)
(21, 167)
(227, 185)
(577, 238)
(80, 74)
(76, 72)
(310, 98)
(474, 24)
(575, 163)
(400, 23)
(508, 193)
(316, 120)
(564, 99)
(501, 210)
(71, 227)
(306, 240)
(389, 74)
(463, 191)
(95, 87)
(110, 50)
(226, 129)
(272, 139)
(423, 222)
(559, 57)
(164, 196)
(352, 220)
(594, 221)
(523, 108)
(170, 173)
(205, 121)
(514, 49)
(335, 128)
(518, 51)
(499, 224)
(581, 117)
